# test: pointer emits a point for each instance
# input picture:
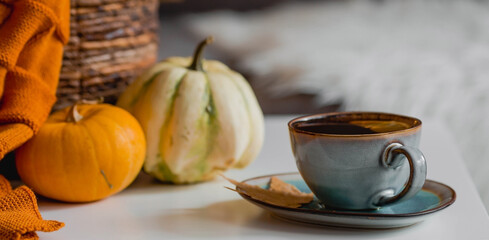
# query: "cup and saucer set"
(365, 170)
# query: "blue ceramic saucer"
(432, 198)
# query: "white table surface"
(151, 210)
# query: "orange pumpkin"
(83, 153)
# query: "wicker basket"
(111, 42)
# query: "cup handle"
(393, 157)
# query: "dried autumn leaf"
(279, 193)
(280, 186)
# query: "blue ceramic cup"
(359, 160)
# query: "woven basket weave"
(111, 42)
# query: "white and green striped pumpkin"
(200, 118)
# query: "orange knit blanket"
(19, 216)
(32, 35)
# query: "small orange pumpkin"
(83, 153)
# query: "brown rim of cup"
(415, 123)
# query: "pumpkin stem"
(73, 115)
(94, 101)
(197, 60)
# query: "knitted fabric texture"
(19, 215)
(32, 35)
